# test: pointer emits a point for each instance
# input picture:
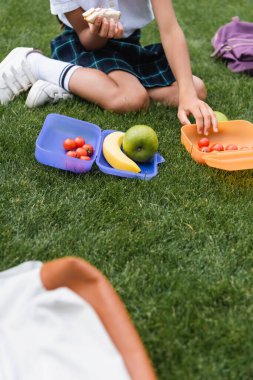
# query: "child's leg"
(169, 95)
(24, 66)
(118, 91)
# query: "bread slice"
(109, 13)
(88, 13)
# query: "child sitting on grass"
(104, 63)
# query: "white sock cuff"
(66, 75)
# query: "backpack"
(233, 42)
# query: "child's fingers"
(199, 120)
(215, 123)
(183, 117)
(104, 28)
(204, 109)
(202, 117)
(119, 30)
(95, 28)
(112, 28)
(213, 119)
(210, 120)
(207, 124)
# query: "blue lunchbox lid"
(50, 151)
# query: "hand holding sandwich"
(104, 22)
(106, 28)
(94, 27)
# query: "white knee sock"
(51, 70)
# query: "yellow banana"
(114, 155)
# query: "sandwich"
(109, 13)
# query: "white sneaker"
(15, 74)
(43, 92)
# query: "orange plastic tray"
(238, 132)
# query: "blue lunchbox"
(50, 151)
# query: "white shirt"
(135, 14)
(51, 335)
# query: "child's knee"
(200, 88)
(121, 101)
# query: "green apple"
(140, 143)
(220, 116)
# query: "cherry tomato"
(231, 147)
(203, 142)
(217, 147)
(69, 144)
(79, 141)
(86, 158)
(205, 149)
(71, 153)
(81, 152)
(89, 149)
(244, 147)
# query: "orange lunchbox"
(238, 132)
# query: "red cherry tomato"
(69, 144)
(81, 152)
(71, 153)
(85, 158)
(231, 147)
(203, 142)
(89, 149)
(79, 141)
(205, 149)
(217, 147)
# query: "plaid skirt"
(148, 63)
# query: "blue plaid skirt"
(148, 64)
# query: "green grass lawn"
(178, 248)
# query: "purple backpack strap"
(234, 43)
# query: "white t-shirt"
(51, 335)
(135, 14)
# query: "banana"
(114, 155)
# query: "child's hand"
(202, 113)
(105, 28)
